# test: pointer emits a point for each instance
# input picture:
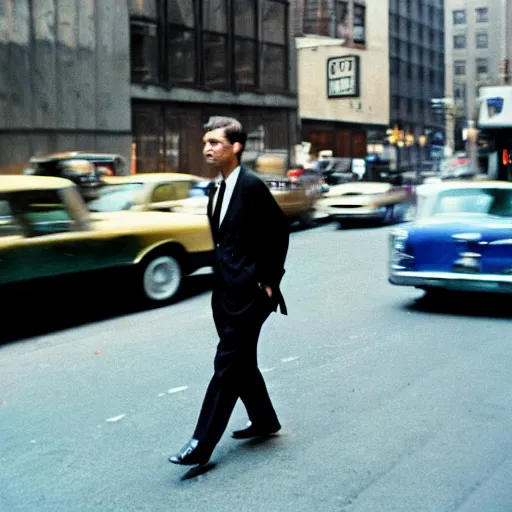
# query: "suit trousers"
(236, 373)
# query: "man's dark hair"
(232, 128)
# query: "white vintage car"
(364, 200)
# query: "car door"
(57, 242)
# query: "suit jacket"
(250, 246)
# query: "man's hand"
(268, 290)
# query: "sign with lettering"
(343, 77)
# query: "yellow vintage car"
(46, 230)
(165, 192)
(185, 193)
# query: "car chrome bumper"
(354, 213)
(453, 281)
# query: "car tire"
(161, 276)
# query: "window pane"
(459, 42)
(359, 15)
(342, 25)
(143, 8)
(215, 17)
(182, 56)
(482, 15)
(459, 17)
(245, 57)
(274, 22)
(459, 67)
(481, 41)
(181, 12)
(245, 15)
(144, 52)
(148, 137)
(215, 60)
(481, 67)
(274, 67)
(317, 17)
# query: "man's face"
(218, 151)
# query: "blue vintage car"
(461, 239)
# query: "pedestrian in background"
(251, 237)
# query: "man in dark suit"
(251, 236)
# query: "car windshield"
(115, 198)
(475, 201)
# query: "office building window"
(342, 25)
(215, 44)
(459, 93)
(144, 52)
(459, 67)
(318, 17)
(482, 15)
(218, 44)
(459, 17)
(245, 43)
(482, 40)
(459, 42)
(181, 41)
(274, 49)
(359, 24)
(482, 67)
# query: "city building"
(140, 77)
(65, 78)
(196, 58)
(343, 75)
(417, 62)
(476, 47)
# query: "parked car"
(81, 172)
(105, 164)
(47, 231)
(461, 239)
(366, 200)
(185, 193)
(163, 192)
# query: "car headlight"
(399, 239)
(400, 257)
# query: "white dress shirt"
(230, 186)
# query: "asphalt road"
(388, 402)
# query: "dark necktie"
(218, 206)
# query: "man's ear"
(237, 147)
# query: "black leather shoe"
(256, 431)
(194, 452)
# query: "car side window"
(171, 191)
(44, 211)
(9, 226)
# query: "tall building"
(343, 75)
(140, 77)
(64, 78)
(417, 62)
(476, 46)
(196, 58)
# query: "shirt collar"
(231, 179)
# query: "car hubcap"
(162, 278)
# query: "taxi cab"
(47, 231)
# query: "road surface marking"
(115, 418)
(289, 359)
(176, 390)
